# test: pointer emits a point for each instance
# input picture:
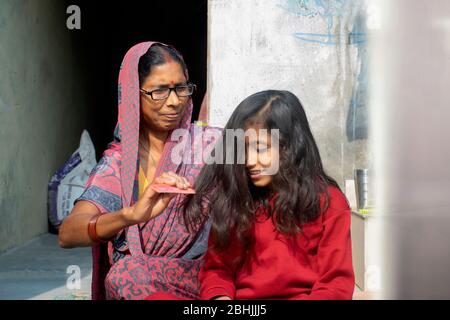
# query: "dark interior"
(109, 29)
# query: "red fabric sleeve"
(334, 255)
(217, 273)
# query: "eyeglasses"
(163, 93)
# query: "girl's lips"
(256, 174)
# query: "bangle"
(92, 229)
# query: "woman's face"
(262, 156)
(163, 115)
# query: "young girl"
(274, 235)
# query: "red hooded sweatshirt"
(315, 264)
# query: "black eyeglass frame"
(188, 85)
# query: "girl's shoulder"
(336, 196)
(337, 202)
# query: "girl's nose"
(252, 158)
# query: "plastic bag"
(68, 183)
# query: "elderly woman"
(141, 245)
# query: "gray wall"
(316, 50)
(42, 112)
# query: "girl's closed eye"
(263, 149)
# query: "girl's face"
(262, 155)
(163, 115)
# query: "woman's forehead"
(169, 73)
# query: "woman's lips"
(173, 116)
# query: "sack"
(68, 183)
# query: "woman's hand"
(151, 204)
(222, 298)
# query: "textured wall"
(316, 49)
(42, 112)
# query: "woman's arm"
(74, 229)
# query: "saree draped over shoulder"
(160, 255)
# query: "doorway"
(109, 29)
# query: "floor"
(41, 270)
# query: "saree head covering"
(160, 255)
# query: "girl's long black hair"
(226, 193)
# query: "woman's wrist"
(127, 217)
(92, 230)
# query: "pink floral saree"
(160, 256)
